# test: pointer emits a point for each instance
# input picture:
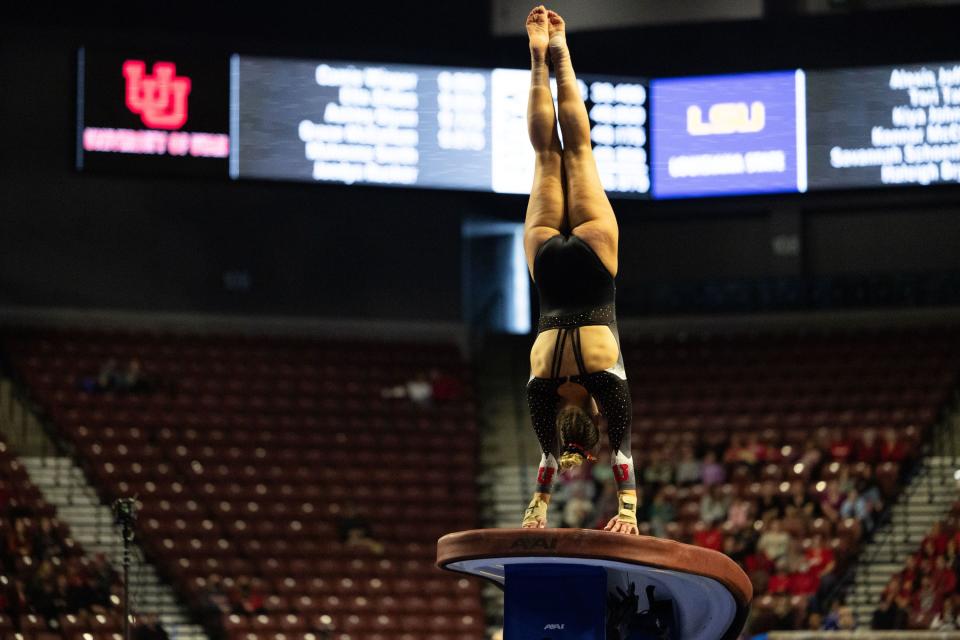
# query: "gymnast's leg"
(545, 209)
(545, 218)
(589, 212)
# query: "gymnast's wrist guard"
(536, 511)
(627, 511)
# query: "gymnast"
(577, 376)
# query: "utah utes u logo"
(621, 472)
(545, 475)
(160, 99)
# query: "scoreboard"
(419, 126)
(439, 127)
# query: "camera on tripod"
(125, 512)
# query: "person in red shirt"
(910, 575)
(803, 583)
(779, 583)
(891, 449)
(944, 579)
(868, 448)
(820, 557)
(840, 446)
(927, 601)
(935, 543)
(709, 537)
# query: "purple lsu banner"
(728, 135)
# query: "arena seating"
(246, 454)
(797, 416)
(924, 593)
(49, 590)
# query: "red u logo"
(545, 475)
(159, 99)
(620, 472)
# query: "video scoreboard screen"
(419, 126)
(145, 112)
(883, 126)
(361, 123)
(726, 135)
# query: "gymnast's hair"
(578, 436)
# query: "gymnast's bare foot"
(557, 31)
(539, 33)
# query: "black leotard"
(576, 290)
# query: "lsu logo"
(159, 99)
(727, 117)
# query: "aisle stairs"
(927, 499)
(91, 523)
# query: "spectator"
(107, 376)
(892, 612)
(578, 507)
(354, 531)
(944, 579)
(418, 390)
(785, 618)
(607, 504)
(927, 600)
(688, 469)
(820, 556)
(774, 542)
(846, 620)
(811, 457)
(946, 620)
(935, 542)
(768, 503)
(713, 505)
(831, 622)
(739, 515)
(798, 505)
(856, 506)
(831, 500)
(891, 448)
(841, 448)
(740, 451)
(132, 380)
(709, 536)
(712, 472)
(445, 386)
(658, 471)
(868, 448)
(661, 513)
(148, 627)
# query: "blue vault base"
(563, 584)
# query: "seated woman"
(570, 238)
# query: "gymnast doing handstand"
(577, 376)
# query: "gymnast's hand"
(617, 525)
(535, 517)
(626, 519)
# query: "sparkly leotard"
(576, 290)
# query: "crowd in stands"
(924, 594)
(46, 578)
(790, 515)
(426, 389)
(113, 378)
